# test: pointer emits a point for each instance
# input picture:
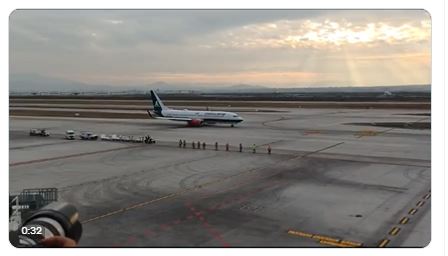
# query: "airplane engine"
(195, 123)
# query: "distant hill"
(33, 82)
(364, 89)
(20, 83)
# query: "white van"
(70, 135)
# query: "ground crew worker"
(241, 147)
(227, 146)
(216, 145)
(203, 145)
(254, 148)
(269, 149)
(193, 145)
(180, 143)
(199, 145)
(184, 144)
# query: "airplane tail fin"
(158, 104)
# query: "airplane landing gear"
(232, 125)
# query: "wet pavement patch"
(402, 125)
(415, 114)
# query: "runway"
(327, 183)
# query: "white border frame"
(436, 8)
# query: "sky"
(272, 48)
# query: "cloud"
(114, 22)
(322, 34)
(137, 46)
(137, 26)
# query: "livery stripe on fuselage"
(206, 116)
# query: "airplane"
(192, 117)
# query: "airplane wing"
(175, 119)
(181, 119)
(152, 115)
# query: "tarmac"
(326, 183)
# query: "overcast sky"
(272, 48)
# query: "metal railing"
(29, 200)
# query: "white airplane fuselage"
(205, 116)
(192, 117)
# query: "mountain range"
(19, 83)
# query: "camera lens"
(55, 219)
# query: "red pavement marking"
(164, 227)
(148, 232)
(131, 240)
(200, 215)
(214, 233)
(70, 156)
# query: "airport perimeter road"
(328, 181)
